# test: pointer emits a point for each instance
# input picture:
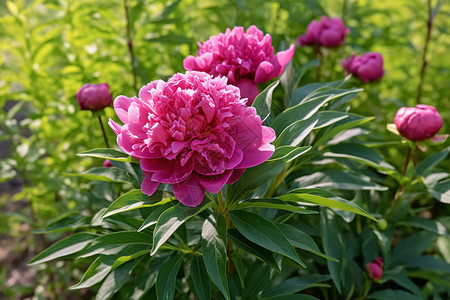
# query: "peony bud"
(107, 164)
(94, 96)
(374, 269)
(418, 123)
(328, 32)
(367, 67)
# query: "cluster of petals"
(94, 96)
(246, 58)
(328, 32)
(367, 67)
(193, 132)
(418, 123)
(374, 269)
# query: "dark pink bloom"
(418, 123)
(194, 132)
(245, 58)
(107, 164)
(374, 269)
(94, 96)
(328, 32)
(368, 67)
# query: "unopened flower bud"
(94, 96)
(367, 67)
(418, 123)
(374, 269)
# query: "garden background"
(49, 49)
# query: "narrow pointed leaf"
(64, 247)
(324, 198)
(165, 283)
(264, 233)
(294, 134)
(302, 240)
(135, 199)
(106, 153)
(263, 101)
(214, 249)
(170, 220)
(200, 278)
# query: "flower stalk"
(105, 138)
(130, 45)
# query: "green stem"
(130, 46)
(276, 183)
(424, 54)
(320, 59)
(103, 131)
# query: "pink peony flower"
(418, 123)
(374, 269)
(194, 132)
(328, 32)
(245, 58)
(368, 67)
(94, 96)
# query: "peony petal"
(237, 173)
(248, 89)
(148, 186)
(189, 192)
(264, 72)
(115, 127)
(121, 105)
(214, 184)
(167, 171)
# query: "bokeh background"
(50, 48)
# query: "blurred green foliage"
(50, 48)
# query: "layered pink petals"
(193, 132)
(368, 66)
(240, 55)
(328, 32)
(418, 123)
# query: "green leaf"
(431, 161)
(388, 294)
(410, 247)
(66, 223)
(295, 297)
(154, 216)
(294, 134)
(165, 283)
(107, 175)
(305, 92)
(337, 179)
(113, 243)
(107, 153)
(171, 219)
(263, 101)
(359, 153)
(254, 177)
(441, 191)
(264, 233)
(272, 203)
(257, 251)
(135, 199)
(327, 118)
(115, 280)
(302, 240)
(431, 263)
(200, 278)
(324, 198)
(147, 279)
(332, 237)
(96, 272)
(64, 247)
(214, 249)
(427, 224)
(293, 285)
(296, 113)
(332, 131)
